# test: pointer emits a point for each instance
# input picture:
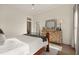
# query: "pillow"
(1, 31)
(2, 39)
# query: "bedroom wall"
(12, 21)
(65, 13)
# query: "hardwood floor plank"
(67, 50)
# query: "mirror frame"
(52, 20)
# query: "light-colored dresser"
(55, 36)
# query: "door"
(28, 25)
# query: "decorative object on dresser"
(59, 23)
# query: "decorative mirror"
(51, 24)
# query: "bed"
(34, 43)
(24, 45)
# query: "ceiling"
(38, 8)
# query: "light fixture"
(60, 22)
(33, 6)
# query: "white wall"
(12, 21)
(65, 13)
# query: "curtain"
(74, 27)
(75, 40)
(77, 32)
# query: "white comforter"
(13, 46)
(34, 43)
(22, 45)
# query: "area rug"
(53, 50)
(55, 46)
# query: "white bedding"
(26, 45)
(34, 43)
(13, 46)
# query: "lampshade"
(60, 21)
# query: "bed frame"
(39, 52)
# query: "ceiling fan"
(33, 6)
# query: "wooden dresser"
(55, 36)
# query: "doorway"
(28, 25)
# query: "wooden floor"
(66, 50)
